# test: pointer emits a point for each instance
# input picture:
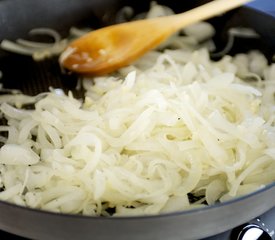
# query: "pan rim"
(207, 208)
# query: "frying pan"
(17, 17)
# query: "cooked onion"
(172, 125)
(38, 50)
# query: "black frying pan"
(17, 17)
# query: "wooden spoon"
(107, 49)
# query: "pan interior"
(32, 77)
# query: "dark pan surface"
(21, 72)
(35, 77)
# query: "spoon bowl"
(108, 49)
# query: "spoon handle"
(204, 12)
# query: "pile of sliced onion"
(173, 124)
